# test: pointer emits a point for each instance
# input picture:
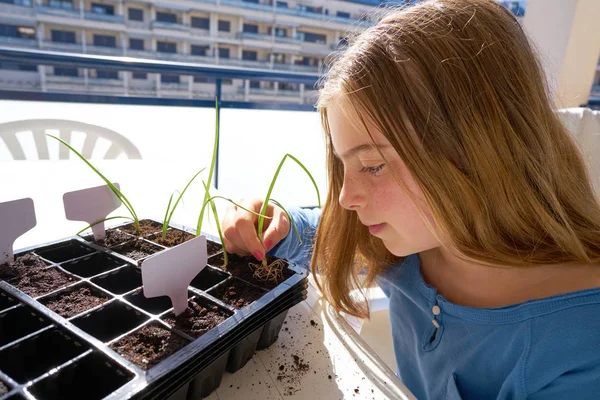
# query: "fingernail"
(258, 255)
(268, 244)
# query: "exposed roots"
(268, 272)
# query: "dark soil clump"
(237, 293)
(147, 228)
(74, 302)
(22, 265)
(137, 249)
(196, 320)
(113, 238)
(41, 281)
(149, 345)
(213, 248)
(173, 237)
(3, 389)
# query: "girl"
(455, 186)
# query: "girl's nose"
(351, 196)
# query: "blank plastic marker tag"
(16, 218)
(170, 272)
(92, 205)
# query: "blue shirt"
(541, 349)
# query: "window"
(250, 28)
(228, 82)
(280, 32)
(315, 10)
(136, 14)
(64, 4)
(309, 61)
(107, 74)
(166, 47)
(63, 36)
(18, 67)
(279, 58)
(198, 50)
(342, 14)
(249, 55)
(288, 86)
(282, 4)
(136, 44)
(200, 23)
(312, 37)
(17, 2)
(61, 71)
(223, 53)
(8, 30)
(165, 78)
(255, 84)
(103, 9)
(224, 26)
(105, 41)
(166, 17)
(203, 79)
(139, 75)
(250, 1)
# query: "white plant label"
(92, 205)
(16, 218)
(170, 272)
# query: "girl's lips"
(375, 229)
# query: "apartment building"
(291, 35)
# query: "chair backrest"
(38, 127)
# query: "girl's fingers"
(277, 229)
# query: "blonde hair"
(456, 88)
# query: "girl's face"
(371, 190)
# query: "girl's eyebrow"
(361, 148)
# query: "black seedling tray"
(44, 355)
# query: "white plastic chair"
(118, 143)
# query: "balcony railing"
(15, 9)
(118, 19)
(20, 42)
(169, 25)
(110, 51)
(255, 36)
(50, 45)
(244, 4)
(44, 9)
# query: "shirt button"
(436, 310)
(435, 323)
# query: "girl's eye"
(373, 170)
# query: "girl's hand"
(239, 228)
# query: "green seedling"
(112, 187)
(210, 201)
(211, 171)
(274, 271)
(170, 211)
